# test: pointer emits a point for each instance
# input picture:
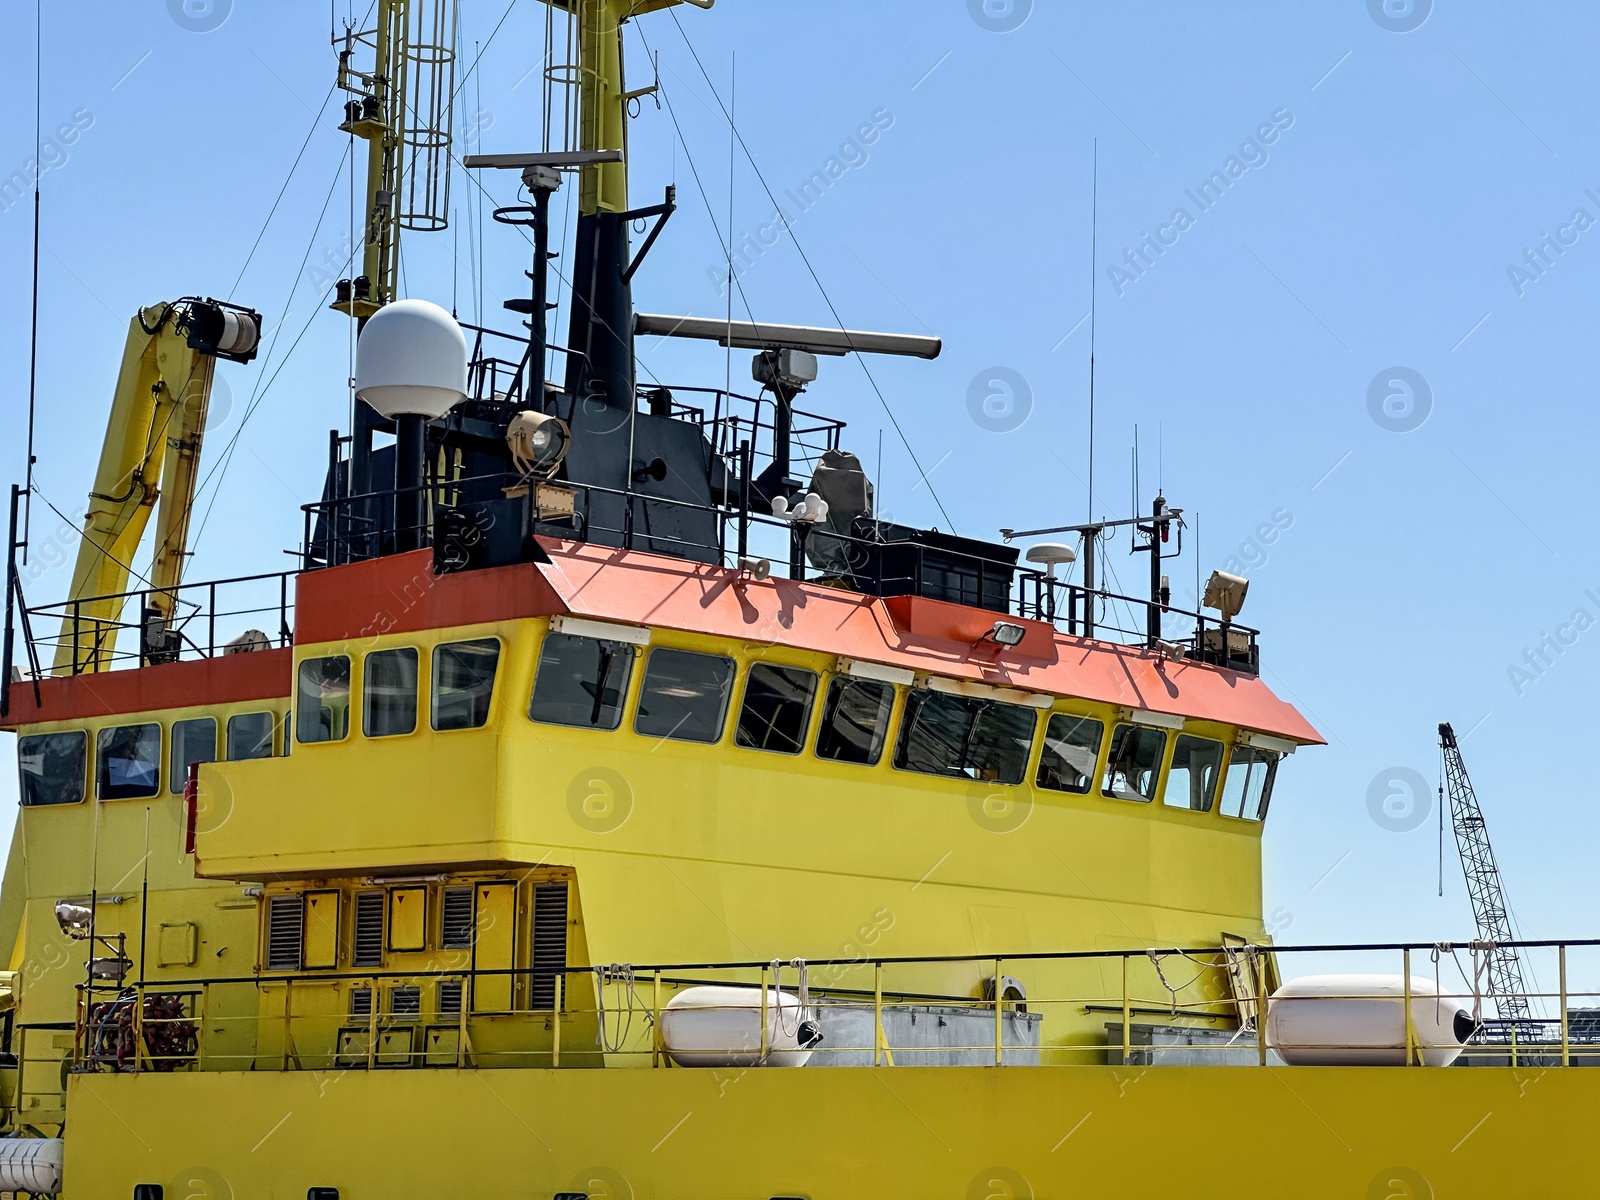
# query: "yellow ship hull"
(1001, 1133)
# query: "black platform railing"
(356, 528)
(206, 617)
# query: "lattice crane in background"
(1483, 885)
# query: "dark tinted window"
(965, 738)
(1134, 765)
(1071, 750)
(52, 767)
(581, 681)
(1248, 789)
(776, 709)
(389, 693)
(128, 762)
(322, 708)
(463, 683)
(1192, 778)
(685, 696)
(192, 742)
(855, 720)
(250, 735)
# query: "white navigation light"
(412, 360)
(1226, 593)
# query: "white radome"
(412, 360)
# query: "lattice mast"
(1483, 885)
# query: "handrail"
(162, 1025)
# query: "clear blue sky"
(1407, 174)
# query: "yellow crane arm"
(151, 451)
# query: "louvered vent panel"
(456, 929)
(405, 1001)
(361, 1002)
(450, 997)
(549, 942)
(369, 930)
(286, 928)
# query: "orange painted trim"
(204, 682)
(401, 594)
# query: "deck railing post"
(555, 1020)
(1127, 1015)
(655, 1024)
(1412, 1055)
(999, 995)
(1566, 1045)
(877, 1014)
(763, 1016)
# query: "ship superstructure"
(391, 874)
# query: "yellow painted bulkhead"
(690, 853)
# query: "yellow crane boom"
(151, 452)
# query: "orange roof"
(400, 593)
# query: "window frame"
(624, 692)
(1167, 741)
(1265, 805)
(722, 716)
(100, 759)
(809, 719)
(277, 719)
(1102, 749)
(416, 691)
(489, 711)
(890, 720)
(1214, 800)
(907, 722)
(298, 707)
(83, 767)
(175, 785)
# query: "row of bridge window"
(584, 682)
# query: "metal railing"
(208, 616)
(867, 1010)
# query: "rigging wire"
(827, 299)
(316, 123)
(259, 391)
(726, 245)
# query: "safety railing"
(207, 617)
(1180, 1006)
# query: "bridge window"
(463, 683)
(52, 767)
(777, 708)
(1192, 778)
(389, 693)
(1134, 765)
(322, 711)
(581, 682)
(685, 696)
(250, 735)
(193, 741)
(1071, 751)
(128, 762)
(965, 738)
(855, 721)
(1248, 788)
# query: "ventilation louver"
(549, 942)
(369, 930)
(286, 927)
